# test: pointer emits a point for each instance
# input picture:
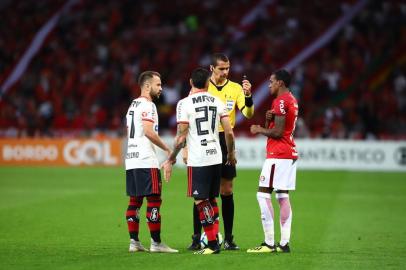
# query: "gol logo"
(89, 153)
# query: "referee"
(233, 95)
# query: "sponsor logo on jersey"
(204, 142)
(210, 152)
(132, 155)
(262, 178)
(282, 106)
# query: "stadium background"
(67, 75)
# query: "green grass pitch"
(73, 218)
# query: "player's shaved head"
(283, 75)
(146, 76)
(200, 78)
(215, 58)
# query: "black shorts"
(203, 182)
(143, 182)
(227, 171)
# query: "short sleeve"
(181, 113)
(147, 112)
(279, 107)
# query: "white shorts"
(279, 174)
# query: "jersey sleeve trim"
(226, 115)
(147, 119)
(182, 122)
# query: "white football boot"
(136, 246)
(161, 247)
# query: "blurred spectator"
(84, 76)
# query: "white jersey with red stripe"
(202, 111)
(140, 150)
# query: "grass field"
(73, 218)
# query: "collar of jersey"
(198, 92)
(219, 87)
(145, 98)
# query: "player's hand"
(231, 160)
(184, 155)
(269, 115)
(246, 87)
(255, 129)
(167, 167)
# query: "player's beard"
(155, 96)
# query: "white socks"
(285, 217)
(265, 204)
(267, 216)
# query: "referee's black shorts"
(227, 171)
(143, 182)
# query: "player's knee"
(281, 194)
(226, 188)
(206, 212)
(263, 195)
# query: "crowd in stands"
(84, 77)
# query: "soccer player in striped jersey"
(233, 96)
(143, 177)
(279, 169)
(199, 116)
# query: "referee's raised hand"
(246, 87)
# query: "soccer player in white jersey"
(143, 178)
(199, 116)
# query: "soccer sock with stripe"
(267, 214)
(285, 217)
(213, 203)
(154, 217)
(197, 226)
(207, 218)
(227, 210)
(132, 216)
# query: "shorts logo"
(154, 214)
(208, 214)
(262, 178)
(195, 192)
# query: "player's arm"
(153, 136)
(245, 102)
(276, 132)
(269, 116)
(185, 154)
(180, 140)
(229, 136)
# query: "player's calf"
(207, 219)
(154, 217)
(132, 216)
